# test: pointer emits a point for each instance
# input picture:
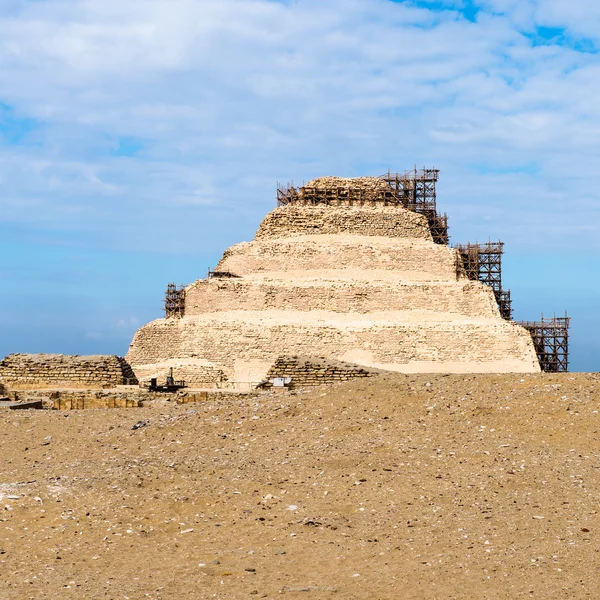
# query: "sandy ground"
(403, 486)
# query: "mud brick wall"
(310, 371)
(382, 221)
(47, 371)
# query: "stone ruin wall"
(46, 371)
(320, 220)
(87, 399)
(311, 371)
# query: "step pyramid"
(355, 277)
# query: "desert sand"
(400, 486)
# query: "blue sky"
(139, 139)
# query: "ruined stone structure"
(52, 371)
(308, 371)
(350, 276)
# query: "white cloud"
(227, 96)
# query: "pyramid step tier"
(388, 221)
(411, 259)
(466, 298)
(245, 344)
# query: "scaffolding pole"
(414, 190)
(483, 262)
(174, 301)
(551, 340)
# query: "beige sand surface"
(404, 486)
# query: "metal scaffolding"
(504, 304)
(551, 340)
(483, 262)
(174, 301)
(333, 195)
(414, 190)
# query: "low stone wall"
(83, 401)
(310, 371)
(47, 371)
(384, 221)
(134, 398)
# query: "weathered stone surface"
(467, 298)
(350, 257)
(308, 371)
(388, 221)
(365, 285)
(39, 371)
(245, 344)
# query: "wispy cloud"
(150, 104)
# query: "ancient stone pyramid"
(341, 272)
